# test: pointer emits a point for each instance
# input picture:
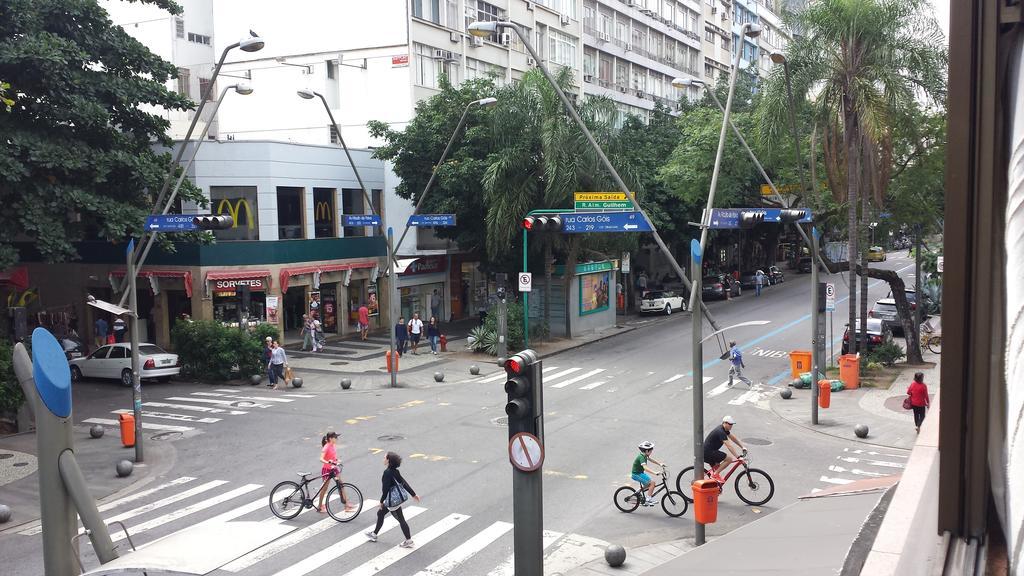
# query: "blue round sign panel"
(51, 373)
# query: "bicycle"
(930, 339)
(288, 498)
(749, 483)
(673, 503)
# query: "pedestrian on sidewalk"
(415, 331)
(101, 328)
(268, 349)
(435, 304)
(641, 283)
(919, 402)
(736, 365)
(307, 333)
(120, 327)
(364, 322)
(394, 492)
(277, 365)
(433, 334)
(401, 336)
(318, 334)
(758, 282)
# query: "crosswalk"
(185, 413)
(187, 509)
(855, 464)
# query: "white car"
(115, 361)
(665, 301)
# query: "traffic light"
(549, 223)
(749, 219)
(524, 388)
(787, 216)
(213, 222)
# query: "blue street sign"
(885, 215)
(432, 220)
(730, 217)
(360, 220)
(170, 223)
(577, 222)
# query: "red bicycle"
(753, 485)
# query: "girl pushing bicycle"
(331, 469)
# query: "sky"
(942, 15)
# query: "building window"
(604, 71)
(567, 7)
(290, 213)
(427, 10)
(332, 69)
(352, 202)
(335, 138)
(183, 82)
(481, 11)
(607, 24)
(479, 69)
(709, 35)
(198, 38)
(429, 67)
(204, 89)
(239, 202)
(589, 63)
(561, 48)
(324, 215)
(622, 74)
(179, 26)
(589, 18)
(709, 71)
(452, 14)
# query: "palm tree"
(860, 63)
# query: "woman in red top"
(918, 393)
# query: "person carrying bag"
(395, 491)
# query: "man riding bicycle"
(713, 455)
(640, 470)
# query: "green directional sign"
(605, 205)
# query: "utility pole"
(696, 255)
(392, 301)
(133, 329)
(816, 331)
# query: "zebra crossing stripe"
(170, 416)
(752, 395)
(204, 409)
(252, 398)
(218, 402)
(578, 378)
(506, 568)
(548, 369)
(396, 553)
(145, 425)
(300, 395)
(873, 453)
(594, 385)
(674, 378)
(495, 377)
(182, 512)
(466, 550)
(338, 549)
(856, 471)
(840, 481)
(721, 388)
(881, 463)
(563, 373)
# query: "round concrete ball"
(474, 369)
(786, 393)
(346, 383)
(255, 379)
(615, 555)
(501, 360)
(438, 376)
(296, 382)
(796, 383)
(5, 513)
(861, 430)
(96, 431)
(124, 468)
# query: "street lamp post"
(484, 29)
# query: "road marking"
(840, 481)
(856, 471)
(145, 425)
(873, 453)
(506, 567)
(594, 385)
(674, 378)
(334, 551)
(495, 377)
(881, 463)
(206, 409)
(169, 416)
(563, 373)
(259, 398)
(218, 402)
(576, 379)
(466, 550)
(182, 512)
(395, 554)
(301, 395)
(548, 369)
(721, 388)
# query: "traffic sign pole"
(815, 333)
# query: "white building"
(717, 40)
(774, 37)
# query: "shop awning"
(247, 274)
(287, 273)
(185, 275)
(402, 264)
(17, 277)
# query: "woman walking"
(918, 392)
(433, 334)
(393, 495)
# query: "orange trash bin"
(799, 362)
(388, 360)
(705, 501)
(824, 393)
(849, 370)
(127, 430)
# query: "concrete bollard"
(5, 513)
(861, 430)
(346, 383)
(96, 431)
(474, 370)
(501, 361)
(296, 382)
(255, 379)
(614, 555)
(786, 393)
(124, 468)
(438, 376)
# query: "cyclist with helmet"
(713, 455)
(640, 470)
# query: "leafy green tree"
(77, 158)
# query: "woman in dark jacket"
(390, 479)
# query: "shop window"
(324, 214)
(289, 213)
(352, 202)
(241, 204)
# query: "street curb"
(852, 437)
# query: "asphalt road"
(600, 401)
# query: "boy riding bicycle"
(640, 470)
(713, 455)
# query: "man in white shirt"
(415, 330)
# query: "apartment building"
(773, 38)
(717, 41)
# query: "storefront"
(334, 291)
(423, 287)
(239, 295)
(468, 287)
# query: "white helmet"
(646, 445)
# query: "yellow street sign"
(766, 190)
(600, 196)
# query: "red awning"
(185, 275)
(17, 277)
(287, 273)
(237, 275)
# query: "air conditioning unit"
(630, 3)
(602, 36)
(506, 38)
(622, 89)
(647, 12)
(530, 61)
(455, 37)
(588, 78)
(477, 41)
(443, 54)
(564, 18)
(714, 10)
(628, 47)
(640, 94)
(529, 5)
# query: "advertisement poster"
(272, 309)
(372, 304)
(594, 292)
(330, 309)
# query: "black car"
(804, 265)
(749, 279)
(716, 286)
(775, 275)
(878, 333)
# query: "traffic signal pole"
(816, 334)
(525, 410)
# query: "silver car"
(114, 361)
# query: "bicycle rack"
(74, 544)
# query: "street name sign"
(432, 220)
(525, 281)
(361, 219)
(830, 296)
(170, 223)
(579, 222)
(939, 264)
(726, 218)
(602, 201)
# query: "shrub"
(886, 354)
(483, 340)
(209, 350)
(514, 338)
(11, 396)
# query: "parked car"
(115, 361)
(775, 275)
(876, 254)
(715, 286)
(877, 334)
(665, 301)
(804, 265)
(885, 311)
(749, 279)
(912, 298)
(73, 346)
